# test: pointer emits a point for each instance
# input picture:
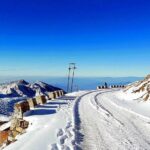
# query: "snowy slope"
(139, 89)
(22, 88)
(16, 91)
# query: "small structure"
(41, 99)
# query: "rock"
(32, 102)
(148, 88)
(21, 108)
(51, 95)
(20, 130)
(3, 136)
(41, 99)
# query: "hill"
(139, 89)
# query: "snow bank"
(128, 101)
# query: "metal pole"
(68, 79)
(73, 78)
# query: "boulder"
(56, 94)
(41, 99)
(32, 102)
(3, 137)
(21, 108)
(51, 95)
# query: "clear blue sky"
(104, 37)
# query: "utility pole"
(71, 68)
(68, 78)
(73, 77)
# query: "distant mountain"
(140, 89)
(21, 88)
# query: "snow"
(89, 120)
(50, 128)
(22, 88)
(109, 126)
(127, 101)
(4, 118)
(16, 91)
(139, 90)
(5, 126)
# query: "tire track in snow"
(105, 109)
(138, 132)
(104, 124)
(79, 136)
(77, 122)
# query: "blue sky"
(104, 37)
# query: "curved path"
(102, 125)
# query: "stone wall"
(112, 86)
(31, 103)
(18, 124)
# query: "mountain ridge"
(22, 88)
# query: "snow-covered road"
(103, 125)
(87, 120)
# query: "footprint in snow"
(69, 125)
(60, 132)
(64, 147)
(62, 139)
(53, 147)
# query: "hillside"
(139, 89)
(16, 91)
(22, 88)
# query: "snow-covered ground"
(103, 124)
(88, 120)
(51, 126)
(13, 92)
